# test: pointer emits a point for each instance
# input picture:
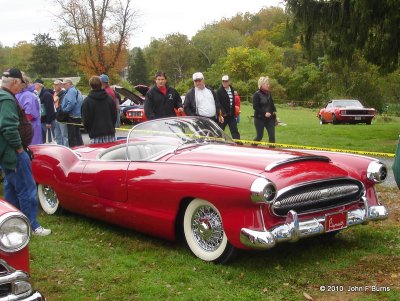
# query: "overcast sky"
(21, 19)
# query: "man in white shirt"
(202, 101)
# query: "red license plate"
(335, 221)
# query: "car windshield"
(180, 131)
(347, 103)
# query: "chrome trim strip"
(293, 229)
(273, 165)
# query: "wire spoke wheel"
(48, 199)
(204, 232)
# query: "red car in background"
(15, 233)
(136, 115)
(345, 111)
(130, 100)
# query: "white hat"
(67, 81)
(225, 78)
(198, 75)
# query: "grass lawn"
(303, 129)
(88, 260)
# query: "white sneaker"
(40, 231)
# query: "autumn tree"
(101, 29)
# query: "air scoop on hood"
(291, 160)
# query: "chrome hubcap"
(50, 196)
(207, 228)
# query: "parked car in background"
(183, 177)
(345, 111)
(130, 100)
(137, 114)
(15, 233)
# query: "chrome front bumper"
(293, 229)
(16, 285)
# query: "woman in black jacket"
(264, 111)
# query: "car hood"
(284, 166)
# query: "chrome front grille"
(357, 112)
(315, 196)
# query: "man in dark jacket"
(202, 101)
(19, 185)
(99, 113)
(226, 98)
(162, 100)
(48, 114)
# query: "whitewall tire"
(48, 199)
(204, 232)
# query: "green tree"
(174, 55)
(390, 87)
(359, 80)
(67, 53)
(20, 56)
(371, 27)
(137, 68)
(44, 61)
(212, 42)
(306, 83)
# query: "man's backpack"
(25, 127)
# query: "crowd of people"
(32, 114)
(222, 105)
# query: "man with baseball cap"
(72, 104)
(19, 185)
(202, 100)
(225, 95)
(105, 84)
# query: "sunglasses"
(198, 80)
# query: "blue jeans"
(20, 189)
(61, 133)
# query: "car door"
(104, 182)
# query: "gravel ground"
(390, 182)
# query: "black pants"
(269, 124)
(74, 132)
(232, 123)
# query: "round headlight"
(262, 191)
(376, 171)
(15, 232)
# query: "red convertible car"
(345, 111)
(184, 177)
(15, 233)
